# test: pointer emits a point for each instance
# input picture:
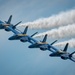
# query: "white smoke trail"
(71, 43)
(61, 32)
(61, 19)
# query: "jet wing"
(13, 30)
(53, 48)
(30, 38)
(72, 59)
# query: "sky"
(15, 57)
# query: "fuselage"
(60, 53)
(42, 46)
(19, 37)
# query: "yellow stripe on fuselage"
(6, 24)
(22, 34)
(42, 43)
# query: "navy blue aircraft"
(22, 36)
(43, 45)
(63, 53)
(7, 24)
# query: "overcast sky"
(15, 57)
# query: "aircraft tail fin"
(25, 31)
(53, 42)
(34, 34)
(66, 47)
(45, 38)
(9, 20)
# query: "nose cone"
(52, 54)
(10, 38)
(30, 46)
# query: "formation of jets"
(42, 45)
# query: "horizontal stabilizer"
(16, 24)
(34, 34)
(72, 54)
(53, 42)
(71, 57)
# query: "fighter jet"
(7, 24)
(63, 54)
(22, 36)
(43, 45)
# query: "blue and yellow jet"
(63, 53)
(22, 36)
(7, 24)
(43, 45)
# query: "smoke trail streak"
(61, 19)
(61, 32)
(71, 43)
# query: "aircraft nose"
(52, 54)
(30, 46)
(9, 38)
